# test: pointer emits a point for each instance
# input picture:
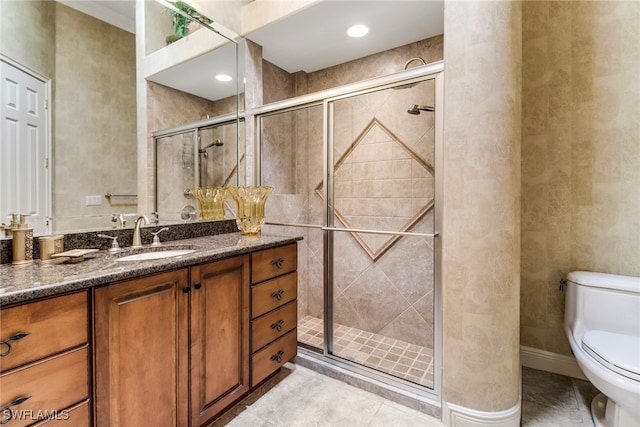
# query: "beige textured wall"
(33, 48)
(580, 153)
(92, 69)
(481, 221)
(94, 150)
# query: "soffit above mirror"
(197, 76)
(315, 37)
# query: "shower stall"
(356, 172)
(201, 154)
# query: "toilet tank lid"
(605, 280)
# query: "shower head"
(415, 109)
(216, 143)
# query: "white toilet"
(602, 322)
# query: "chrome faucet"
(136, 231)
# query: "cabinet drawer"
(272, 294)
(273, 325)
(53, 325)
(272, 357)
(273, 262)
(52, 384)
(76, 416)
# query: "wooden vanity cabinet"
(44, 361)
(274, 315)
(142, 352)
(219, 336)
(178, 348)
(172, 349)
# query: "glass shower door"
(381, 220)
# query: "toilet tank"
(600, 301)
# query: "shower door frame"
(433, 71)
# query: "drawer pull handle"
(278, 357)
(14, 337)
(278, 262)
(7, 412)
(277, 295)
(278, 325)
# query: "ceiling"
(309, 40)
(316, 38)
(121, 13)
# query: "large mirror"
(80, 161)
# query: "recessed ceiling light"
(223, 78)
(358, 30)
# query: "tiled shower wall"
(392, 296)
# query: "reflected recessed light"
(357, 30)
(223, 78)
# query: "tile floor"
(398, 358)
(300, 397)
(550, 400)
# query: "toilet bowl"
(602, 323)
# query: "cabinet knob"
(278, 357)
(186, 289)
(278, 325)
(197, 286)
(278, 262)
(7, 412)
(277, 295)
(7, 342)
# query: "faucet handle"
(115, 217)
(114, 244)
(156, 239)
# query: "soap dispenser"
(22, 244)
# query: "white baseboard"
(550, 362)
(458, 416)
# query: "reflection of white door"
(25, 184)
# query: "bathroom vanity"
(173, 341)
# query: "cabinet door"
(219, 336)
(141, 363)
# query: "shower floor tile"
(408, 361)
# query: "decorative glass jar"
(211, 201)
(250, 200)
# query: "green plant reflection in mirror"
(181, 22)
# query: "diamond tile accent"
(380, 183)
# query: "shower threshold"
(400, 359)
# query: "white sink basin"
(146, 256)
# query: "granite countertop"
(21, 283)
